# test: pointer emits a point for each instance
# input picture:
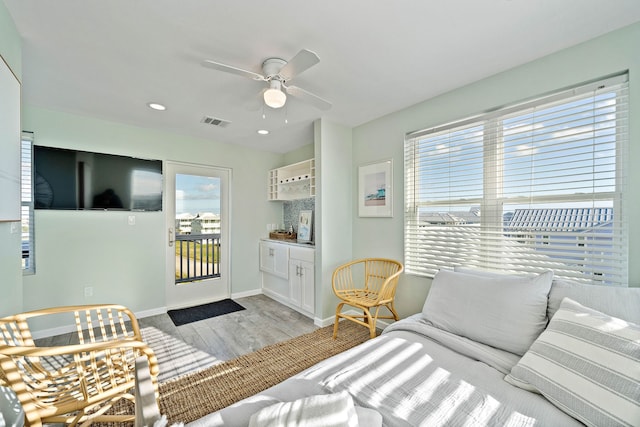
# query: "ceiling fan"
(277, 72)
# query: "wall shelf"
(292, 182)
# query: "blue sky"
(197, 194)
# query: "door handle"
(171, 237)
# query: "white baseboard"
(380, 324)
(150, 312)
(246, 293)
(66, 329)
(327, 321)
(60, 330)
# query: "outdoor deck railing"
(197, 257)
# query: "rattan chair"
(74, 384)
(366, 284)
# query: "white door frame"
(199, 292)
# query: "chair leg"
(393, 311)
(335, 324)
(371, 321)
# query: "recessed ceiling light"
(156, 106)
(263, 132)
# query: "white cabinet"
(301, 278)
(296, 288)
(274, 259)
(291, 182)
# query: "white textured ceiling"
(109, 58)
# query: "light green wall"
(126, 264)
(10, 42)
(76, 249)
(333, 209)
(383, 138)
(303, 153)
(10, 261)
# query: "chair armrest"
(75, 353)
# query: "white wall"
(126, 264)
(383, 138)
(10, 258)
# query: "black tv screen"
(73, 179)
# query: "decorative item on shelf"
(282, 235)
(305, 226)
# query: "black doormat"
(204, 311)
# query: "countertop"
(291, 242)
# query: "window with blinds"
(28, 242)
(531, 187)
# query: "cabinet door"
(274, 259)
(295, 285)
(266, 258)
(307, 286)
(281, 261)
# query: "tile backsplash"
(291, 210)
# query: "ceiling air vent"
(214, 121)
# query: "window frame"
(492, 205)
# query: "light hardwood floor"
(182, 349)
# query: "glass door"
(197, 234)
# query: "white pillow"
(506, 312)
(623, 303)
(587, 364)
(325, 410)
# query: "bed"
(483, 351)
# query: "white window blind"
(27, 191)
(536, 186)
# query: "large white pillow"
(623, 303)
(587, 364)
(504, 312)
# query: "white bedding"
(412, 378)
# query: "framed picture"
(375, 189)
(304, 226)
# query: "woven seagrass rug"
(192, 396)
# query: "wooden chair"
(74, 384)
(366, 284)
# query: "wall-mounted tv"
(73, 179)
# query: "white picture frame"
(375, 189)
(305, 226)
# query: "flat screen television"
(74, 179)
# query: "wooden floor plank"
(182, 349)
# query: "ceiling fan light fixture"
(274, 98)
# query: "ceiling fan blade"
(303, 60)
(308, 97)
(233, 70)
